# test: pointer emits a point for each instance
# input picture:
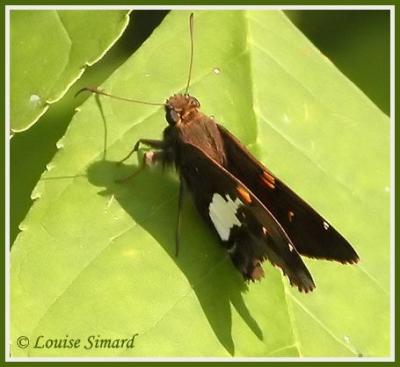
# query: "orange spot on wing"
(244, 194)
(268, 179)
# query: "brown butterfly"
(255, 215)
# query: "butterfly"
(255, 215)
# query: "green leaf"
(50, 50)
(97, 258)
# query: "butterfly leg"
(149, 158)
(178, 221)
(155, 144)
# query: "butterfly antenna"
(191, 52)
(98, 91)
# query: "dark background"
(357, 42)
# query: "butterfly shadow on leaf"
(151, 200)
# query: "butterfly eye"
(172, 116)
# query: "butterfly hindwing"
(245, 226)
(310, 233)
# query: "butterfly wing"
(310, 233)
(245, 226)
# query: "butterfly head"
(180, 108)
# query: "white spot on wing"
(223, 214)
(326, 226)
(290, 247)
